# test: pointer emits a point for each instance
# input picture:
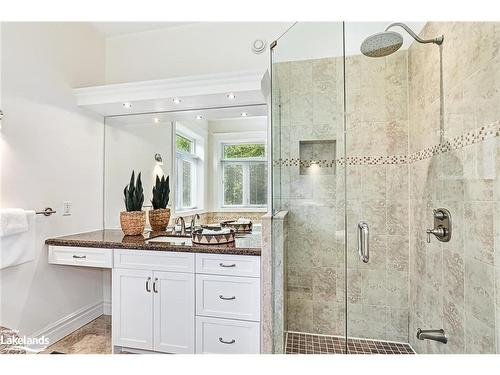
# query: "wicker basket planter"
(158, 219)
(133, 222)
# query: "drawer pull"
(226, 342)
(148, 287)
(226, 298)
(79, 256)
(227, 265)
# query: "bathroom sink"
(176, 240)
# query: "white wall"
(200, 48)
(51, 151)
(226, 126)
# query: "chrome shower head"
(381, 44)
(387, 42)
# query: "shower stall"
(385, 163)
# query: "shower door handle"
(363, 241)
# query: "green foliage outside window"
(183, 144)
(244, 151)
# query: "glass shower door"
(377, 190)
(308, 179)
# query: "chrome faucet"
(183, 225)
(193, 221)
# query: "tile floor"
(95, 338)
(92, 338)
(304, 343)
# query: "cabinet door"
(173, 312)
(132, 308)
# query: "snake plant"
(161, 192)
(134, 194)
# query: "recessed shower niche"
(317, 157)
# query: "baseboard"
(106, 307)
(70, 323)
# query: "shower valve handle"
(439, 232)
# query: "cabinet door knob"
(226, 298)
(148, 287)
(155, 288)
(226, 342)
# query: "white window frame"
(180, 157)
(222, 139)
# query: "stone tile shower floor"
(305, 343)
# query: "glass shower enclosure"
(372, 158)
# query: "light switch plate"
(67, 206)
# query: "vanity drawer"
(154, 260)
(81, 256)
(228, 297)
(231, 265)
(224, 336)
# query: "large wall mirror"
(216, 160)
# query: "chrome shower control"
(442, 226)
(439, 232)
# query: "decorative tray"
(238, 227)
(213, 239)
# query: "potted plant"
(159, 216)
(133, 220)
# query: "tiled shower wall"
(456, 285)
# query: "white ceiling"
(110, 29)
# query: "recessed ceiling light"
(176, 100)
(127, 105)
(244, 114)
(231, 96)
(199, 117)
(156, 120)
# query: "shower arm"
(438, 40)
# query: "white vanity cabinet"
(154, 310)
(177, 302)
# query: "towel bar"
(46, 212)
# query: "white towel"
(12, 221)
(222, 231)
(19, 248)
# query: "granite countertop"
(245, 244)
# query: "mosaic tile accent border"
(474, 136)
(305, 163)
(305, 343)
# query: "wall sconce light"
(158, 159)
